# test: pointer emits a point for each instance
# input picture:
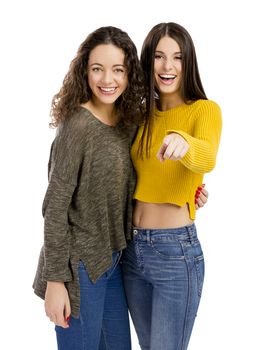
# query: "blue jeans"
(103, 322)
(163, 273)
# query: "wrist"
(55, 283)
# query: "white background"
(38, 41)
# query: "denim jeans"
(163, 271)
(103, 322)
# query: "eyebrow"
(115, 65)
(175, 53)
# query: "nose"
(168, 65)
(107, 77)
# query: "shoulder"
(208, 105)
(207, 112)
(207, 109)
(72, 133)
(76, 123)
(132, 131)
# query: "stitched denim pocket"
(168, 248)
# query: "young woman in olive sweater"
(87, 206)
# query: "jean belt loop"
(148, 236)
(190, 234)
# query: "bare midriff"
(160, 215)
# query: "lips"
(167, 76)
(167, 79)
(107, 90)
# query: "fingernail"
(67, 318)
(199, 188)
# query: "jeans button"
(135, 232)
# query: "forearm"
(56, 231)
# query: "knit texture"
(176, 182)
(87, 208)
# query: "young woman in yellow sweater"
(163, 266)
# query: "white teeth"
(108, 89)
(167, 76)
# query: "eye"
(96, 69)
(178, 57)
(158, 56)
(119, 70)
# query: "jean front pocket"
(84, 279)
(167, 248)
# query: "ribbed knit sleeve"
(64, 164)
(204, 142)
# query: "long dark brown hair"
(191, 88)
(75, 89)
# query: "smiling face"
(107, 76)
(168, 67)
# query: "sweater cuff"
(57, 273)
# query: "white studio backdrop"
(38, 41)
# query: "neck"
(106, 113)
(169, 101)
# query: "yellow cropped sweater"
(176, 182)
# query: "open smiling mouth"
(167, 77)
(108, 90)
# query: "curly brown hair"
(75, 89)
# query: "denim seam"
(139, 255)
(188, 299)
(197, 261)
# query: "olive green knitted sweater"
(87, 208)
